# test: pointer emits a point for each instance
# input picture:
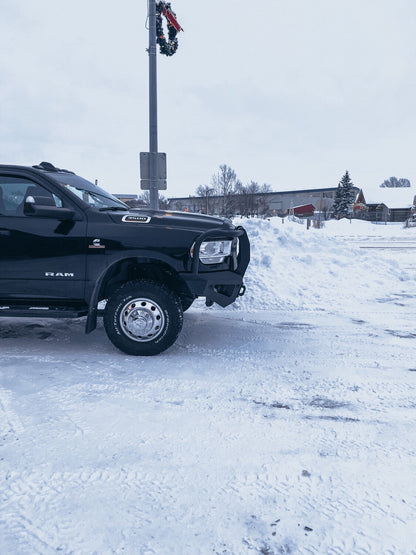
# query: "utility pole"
(153, 142)
(207, 192)
(153, 173)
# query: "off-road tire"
(143, 317)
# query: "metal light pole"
(207, 192)
(153, 146)
(153, 173)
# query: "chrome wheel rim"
(142, 320)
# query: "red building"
(303, 211)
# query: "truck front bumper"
(222, 287)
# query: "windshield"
(89, 193)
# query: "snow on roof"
(392, 197)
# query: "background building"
(272, 203)
(392, 204)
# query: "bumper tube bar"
(243, 255)
(222, 287)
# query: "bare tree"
(266, 188)
(241, 199)
(224, 183)
(253, 189)
(233, 196)
(251, 199)
(204, 191)
(393, 182)
(163, 201)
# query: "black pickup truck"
(68, 248)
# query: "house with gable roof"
(385, 204)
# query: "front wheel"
(143, 317)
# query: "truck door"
(42, 254)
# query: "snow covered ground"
(283, 424)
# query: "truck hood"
(170, 219)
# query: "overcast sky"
(286, 93)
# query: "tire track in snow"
(37, 513)
(342, 517)
(10, 422)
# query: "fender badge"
(136, 219)
(96, 244)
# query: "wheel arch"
(129, 269)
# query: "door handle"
(4, 232)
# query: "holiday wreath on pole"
(170, 46)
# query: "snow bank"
(295, 267)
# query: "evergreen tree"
(344, 197)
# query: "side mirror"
(45, 211)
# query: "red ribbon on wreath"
(167, 12)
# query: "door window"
(14, 192)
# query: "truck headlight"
(214, 252)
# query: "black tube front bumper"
(223, 286)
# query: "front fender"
(145, 257)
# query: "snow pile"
(295, 267)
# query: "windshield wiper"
(123, 208)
